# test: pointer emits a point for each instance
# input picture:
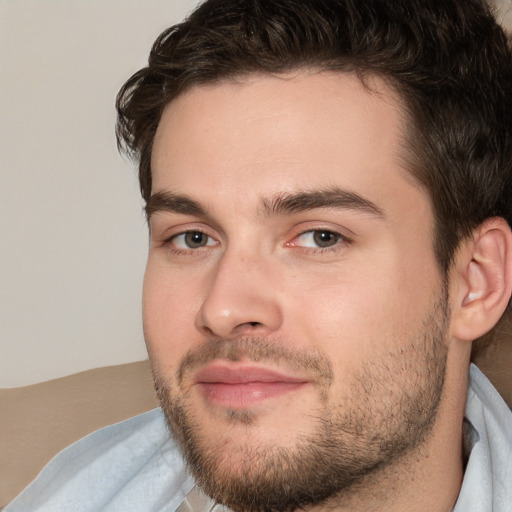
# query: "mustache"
(256, 349)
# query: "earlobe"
(484, 274)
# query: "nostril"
(254, 324)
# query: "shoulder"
(487, 481)
(487, 410)
(130, 466)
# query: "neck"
(427, 478)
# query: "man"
(328, 190)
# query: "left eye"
(318, 238)
(192, 240)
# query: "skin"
(237, 149)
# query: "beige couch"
(38, 421)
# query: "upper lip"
(242, 373)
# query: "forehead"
(275, 134)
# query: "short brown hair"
(448, 59)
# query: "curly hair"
(449, 60)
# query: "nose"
(242, 298)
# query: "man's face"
(294, 313)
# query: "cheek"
(364, 309)
(169, 306)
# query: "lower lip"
(242, 395)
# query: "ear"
(482, 280)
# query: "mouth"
(238, 385)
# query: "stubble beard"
(388, 413)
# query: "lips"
(241, 385)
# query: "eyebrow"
(164, 201)
(333, 197)
(281, 204)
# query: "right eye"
(191, 240)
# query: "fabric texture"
(134, 466)
(487, 483)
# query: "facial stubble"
(388, 412)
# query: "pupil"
(325, 238)
(195, 239)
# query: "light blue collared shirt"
(134, 466)
(487, 484)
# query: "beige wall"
(73, 239)
(505, 12)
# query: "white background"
(72, 234)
